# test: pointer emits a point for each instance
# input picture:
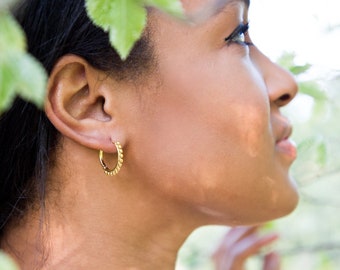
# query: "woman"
(188, 132)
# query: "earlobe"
(75, 103)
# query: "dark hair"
(27, 138)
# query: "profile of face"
(204, 130)
(211, 134)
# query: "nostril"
(283, 100)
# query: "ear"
(81, 104)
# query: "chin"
(253, 216)
(271, 210)
(289, 205)
(283, 206)
(284, 199)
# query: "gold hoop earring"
(119, 164)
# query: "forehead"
(200, 11)
(196, 5)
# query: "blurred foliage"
(314, 241)
(125, 20)
(313, 238)
(20, 73)
(287, 60)
(6, 263)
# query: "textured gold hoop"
(119, 164)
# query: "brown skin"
(200, 147)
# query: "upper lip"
(284, 131)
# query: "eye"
(238, 36)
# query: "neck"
(104, 223)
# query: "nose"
(281, 85)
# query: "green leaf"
(7, 82)
(6, 4)
(32, 80)
(297, 70)
(321, 153)
(21, 74)
(307, 145)
(6, 263)
(315, 148)
(12, 37)
(173, 7)
(269, 226)
(125, 21)
(286, 60)
(312, 89)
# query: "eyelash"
(242, 29)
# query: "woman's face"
(208, 131)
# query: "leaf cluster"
(20, 73)
(6, 263)
(125, 20)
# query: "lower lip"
(287, 147)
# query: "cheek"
(251, 124)
(233, 101)
(248, 109)
(205, 130)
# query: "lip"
(287, 147)
(284, 144)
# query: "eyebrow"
(219, 5)
(214, 9)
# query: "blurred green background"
(303, 36)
